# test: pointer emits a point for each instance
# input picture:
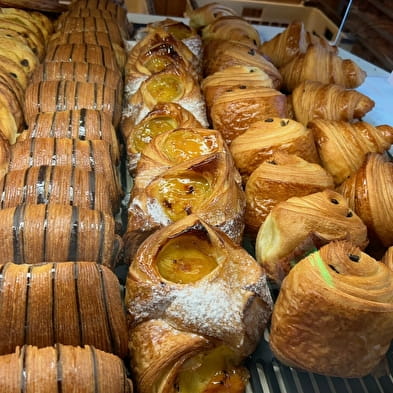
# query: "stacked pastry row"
(63, 322)
(314, 175)
(23, 39)
(197, 302)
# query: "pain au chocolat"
(298, 225)
(194, 298)
(334, 313)
(71, 303)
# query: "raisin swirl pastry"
(334, 313)
(174, 147)
(65, 367)
(72, 303)
(295, 227)
(265, 137)
(163, 117)
(368, 192)
(173, 84)
(343, 146)
(191, 291)
(206, 185)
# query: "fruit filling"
(165, 88)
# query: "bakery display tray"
(267, 374)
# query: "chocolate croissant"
(334, 313)
(343, 146)
(205, 185)
(72, 303)
(311, 100)
(277, 179)
(83, 124)
(295, 227)
(195, 298)
(203, 16)
(52, 233)
(236, 109)
(221, 54)
(368, 193)
(233, 77)
(65, 367)
(319, 64)
(263, 138)
(232, 28)
(173, 84)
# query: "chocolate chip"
(24, 62)
(242, 87)
(333, 268)
(188, 210)
(13, 75)
(272, 162)
(284, 123)
(349, 214)
(167, 204)
(269, 120)
(255, 43)
(335, 201)
(251, 52)
(252, 70)
(190, 190)
(354, 258)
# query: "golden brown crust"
(232, 28)
(368, 192)
(319, 64)
(387, 258)
(220, 54)
(234, 111)
(337, 298)
(267, 136)
(296, 226)
(86, 368)
(73, 303)
(311, 99)
(279, 178)
(343, 146)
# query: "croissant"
(296, 226)
(52, 96)
(52, 232)
(15, 70)
(83, 124)
(319, 64)
(387, 258)
(236, 109)
(93, 24)
(72, 303)
(174, 147)
(293, 41)
(65, 367)
(240, 76)
(163, 117)
(180, 31)
(343, 146)
(203, 16)
(173, 84)
(277, 179)
(368, 193)
(195, 291)
(91, 38)
(311, 100)
(270, 135)
(233, 28)
(92, 155)
(221, 54)
(206, 185)
(87, 53)
(57, 184)
(334, 313)
(153, 54)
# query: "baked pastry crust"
(334, 299)
(343, 146)
(237, 109)
(265, 137)
(74, 303)
(277, 179)
(297, 226)
(368, 192)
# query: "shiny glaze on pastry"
(334, 313)
(295, 227)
